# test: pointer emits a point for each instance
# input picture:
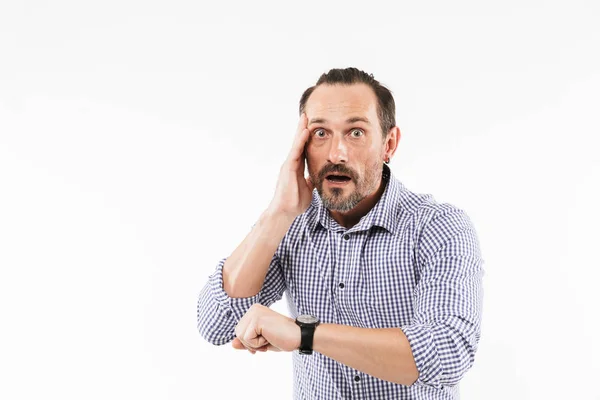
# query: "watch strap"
(307, 335)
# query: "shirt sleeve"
(444, 333)
(218, 314)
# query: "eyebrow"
(348, 121)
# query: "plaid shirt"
(410, 263)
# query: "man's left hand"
(262, 329)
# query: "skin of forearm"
(383, 353)
(244, 271)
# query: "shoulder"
(443, 225)
(427, 212)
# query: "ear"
(391, 141)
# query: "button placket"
(337, 261)
(340, 275)
(344, 274)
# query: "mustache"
(336, 168)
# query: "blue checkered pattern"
(410, 263)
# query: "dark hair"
(386, 107)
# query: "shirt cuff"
(230, 305)
(425, 354)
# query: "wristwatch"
(307, 324)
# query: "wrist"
(320, 338)
(297, 336)
(272, 215)
(308, 325)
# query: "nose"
(337, 152)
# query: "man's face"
(341, 144)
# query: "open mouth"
(337, 178)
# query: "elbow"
(464, 348)
(454, 358)
(446, 377)
(459, 345)
(454, 375)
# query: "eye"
(357, 130)
(316, 132)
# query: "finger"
(300, 140)
(237, 344)
(259, 341)
(296, 156)
(247, 346)
(240, 343)
(270, 347)
(302, 121)
(267, 347)
(251, 339)
(245, 332)
(302, 125)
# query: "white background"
(140, 140)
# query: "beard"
(343, 199)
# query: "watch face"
(307, 319)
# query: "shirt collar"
(383, 214)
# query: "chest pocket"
(388, 277)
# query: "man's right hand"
(245, 270)
(293, 193)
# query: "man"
(384, 285)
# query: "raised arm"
(252, 273)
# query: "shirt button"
(347, 237)
(356, 378)
(341, 285)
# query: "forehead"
(337, 102)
